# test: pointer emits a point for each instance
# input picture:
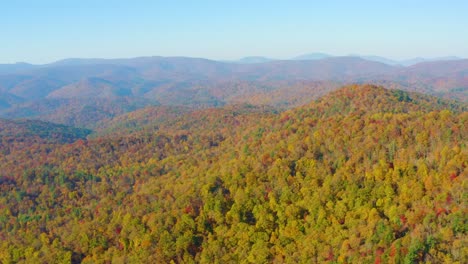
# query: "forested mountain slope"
(49, 132)
(175, 118)
(362, 175)
(78, 112)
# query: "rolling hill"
(27, 90)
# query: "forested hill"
(362, 175)
(174, 118)
(21, 129)
(368, 99)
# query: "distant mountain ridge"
(254, 59)
(34, 90)
(313, 56)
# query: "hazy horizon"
(51, 30)
(237, 59)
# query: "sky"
(43, 31)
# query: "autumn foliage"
(362, 175)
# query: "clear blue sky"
(41, 31)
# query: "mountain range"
(72, 91)
(319, 56)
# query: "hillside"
(361, 175)
(34, 128)
(370, 99)
(29, 140)
(176, 118)
(91, 88)
(79, 112)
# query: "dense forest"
(362, 175)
